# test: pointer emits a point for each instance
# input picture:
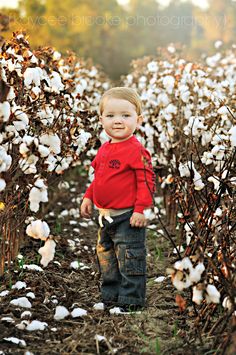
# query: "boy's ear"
(139, 120)
(100, 118)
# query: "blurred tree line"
(112, 35)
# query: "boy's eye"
(126, 115)
(109, 115)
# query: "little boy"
(122, 188)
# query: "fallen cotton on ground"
(66, 314)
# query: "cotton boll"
(47, 252)
(188, 226)
(56, 84)
(162, 99)
(30, 295)
(99, 306)
(232, 133)
(159, 279)
(61, 313)
(189, 236)
(28, 165)
(78, 312)
(56, 55)
(227, 304)
(26, 314)
(36, 325)
(63, 164)
(4, 293)
(52, 141)
(2, 184)
(40, 183)
(32, 267)
(63, 185)
(36, 91)
(213, 60)
(19, 285)
(168, 82)
(5, 111)
(223, 110)
(38, 194)
(170, 129)
(43, 151)
(23, 149)
(196, 273)
(83, 138)
(75, 265)
(35, 197)
(179, 283)
(218, 212)
(152, 66)
(213, 295)
(22, 120)
(184, 170)
(28, 139)
(38, 229)
(215, 181)
(11, 94)
(207, 158)
(5, 160)
(51, 162)
(185, 263)
(197, 295)
(21, 302)
(206, 137)
(33, 76)
(198, 184)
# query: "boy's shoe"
(127, 309)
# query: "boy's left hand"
(138, 220)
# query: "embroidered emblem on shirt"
(114, 164)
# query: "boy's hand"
(138, 220)
(86, 208)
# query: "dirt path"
(158, 330)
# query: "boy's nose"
(118, 119)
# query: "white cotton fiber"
(47, 252)
(21, 302)
(38, 229)
(61, 313)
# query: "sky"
(200, 3)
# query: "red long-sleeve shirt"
(123, 176)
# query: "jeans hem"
(106, 297)
(131, 300)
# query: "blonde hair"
(123, 93)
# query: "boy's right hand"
(86, 208)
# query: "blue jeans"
(122, 259)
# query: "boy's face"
(119, 119)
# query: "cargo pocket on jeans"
(135, 261)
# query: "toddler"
(122, 188)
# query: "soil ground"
(159, 329)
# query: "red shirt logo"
(114, 164)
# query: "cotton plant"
(184, 275)
(38, 129)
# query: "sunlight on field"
(9, 3)
(201, 3)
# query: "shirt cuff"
(139, 208)
(88, 195)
